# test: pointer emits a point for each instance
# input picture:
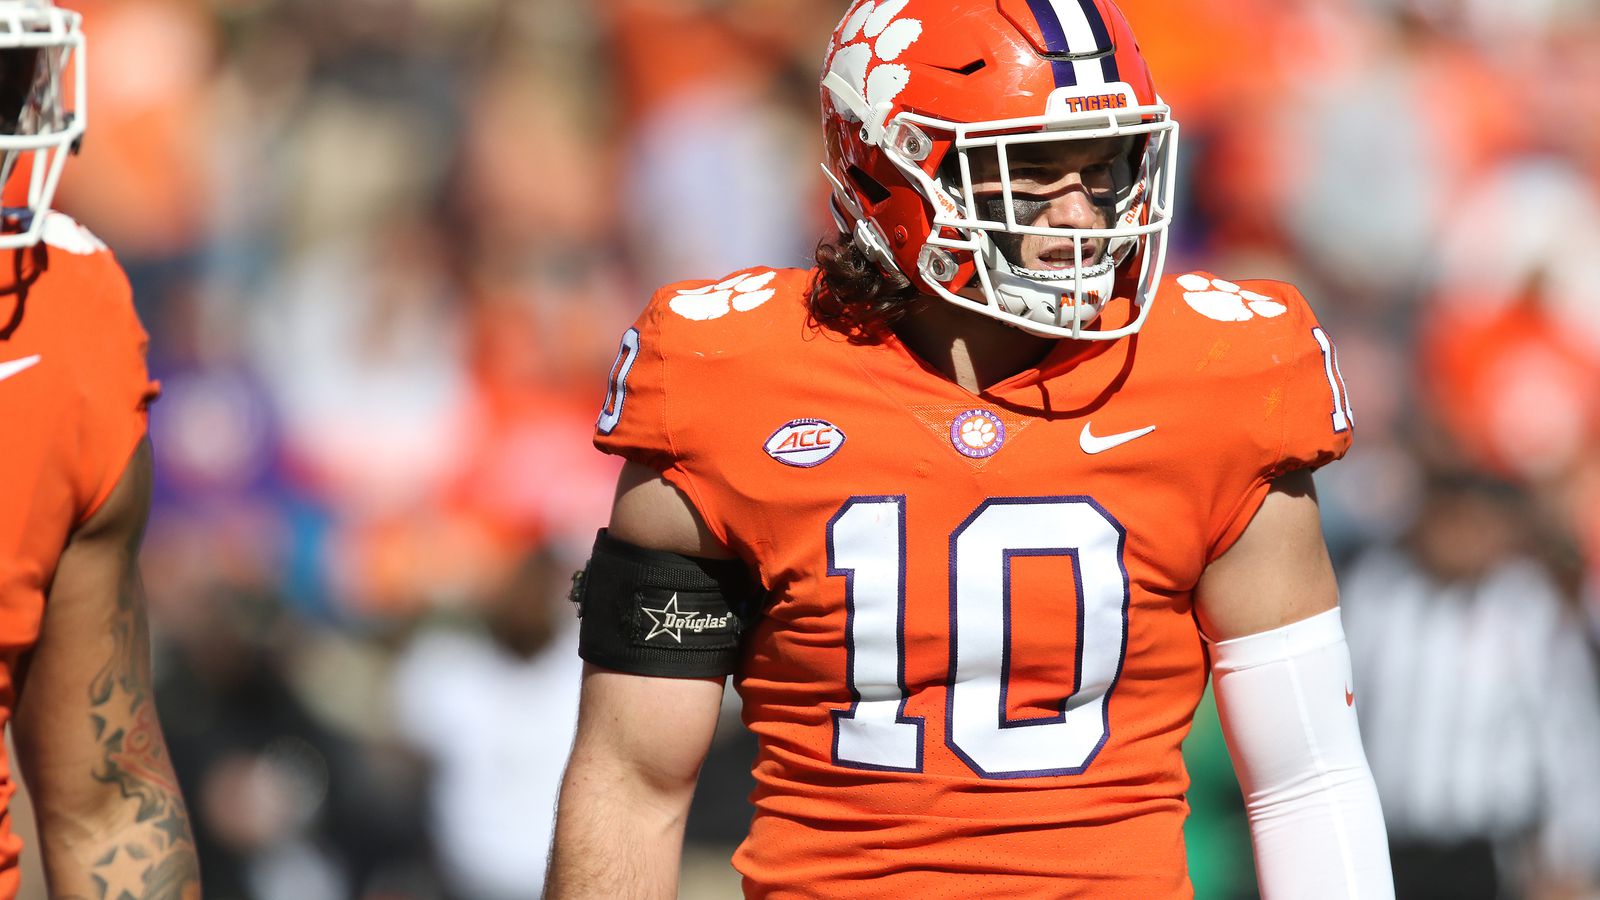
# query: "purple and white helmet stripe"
(1075, 27)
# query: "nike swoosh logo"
(1092, 444)
(8, 369)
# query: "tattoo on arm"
(156, 858)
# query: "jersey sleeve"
(114, 386)
(1301, 416)
(661, 386)
(683, 370)
(633, 420)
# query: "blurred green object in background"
(1217, 835)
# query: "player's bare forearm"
(112, 822)
(625, 797)
(614, 839)
(142, 847)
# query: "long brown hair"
(852, 294)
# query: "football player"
(971, 509)
(74, 494)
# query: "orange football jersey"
(73, 395)
(979, 657)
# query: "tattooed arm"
(112, 823)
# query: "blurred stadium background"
(385, 249)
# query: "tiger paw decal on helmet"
(740, 293)
(1226, 301)
(871, 38)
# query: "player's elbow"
(1308, 787)
(647, 785)
(77, 827)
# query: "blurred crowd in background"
(385, 249)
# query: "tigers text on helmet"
(41, 57)
(918, 94)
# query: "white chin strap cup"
(1065, 298)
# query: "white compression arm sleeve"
(1287, 707)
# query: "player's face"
(1057, 184)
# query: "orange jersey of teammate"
(73, 397)
(978, 657)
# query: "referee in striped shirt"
(1479, 705)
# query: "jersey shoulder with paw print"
(978, 656)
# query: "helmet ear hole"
(870, 187)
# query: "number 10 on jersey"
(867, 548)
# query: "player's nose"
(1071, 208)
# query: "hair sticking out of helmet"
(940, 116)
(43, 106)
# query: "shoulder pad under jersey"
(1261, 340)
(1253, 353)
(67, 313)
(693, 340)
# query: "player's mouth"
(1066, 257)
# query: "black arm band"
(650, 612)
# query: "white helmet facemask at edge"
(41, 60)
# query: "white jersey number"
(867, 547)
(1343, 415)
(617, 389)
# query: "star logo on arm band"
(673, 622)
(667, 619)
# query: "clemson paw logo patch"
(977, 434)
(740, 293)
(869, 42)
(1226, 301)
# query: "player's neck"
(971, 350)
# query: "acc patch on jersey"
(804, 443)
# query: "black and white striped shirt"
(1479, 707)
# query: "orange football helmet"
(914, 91)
